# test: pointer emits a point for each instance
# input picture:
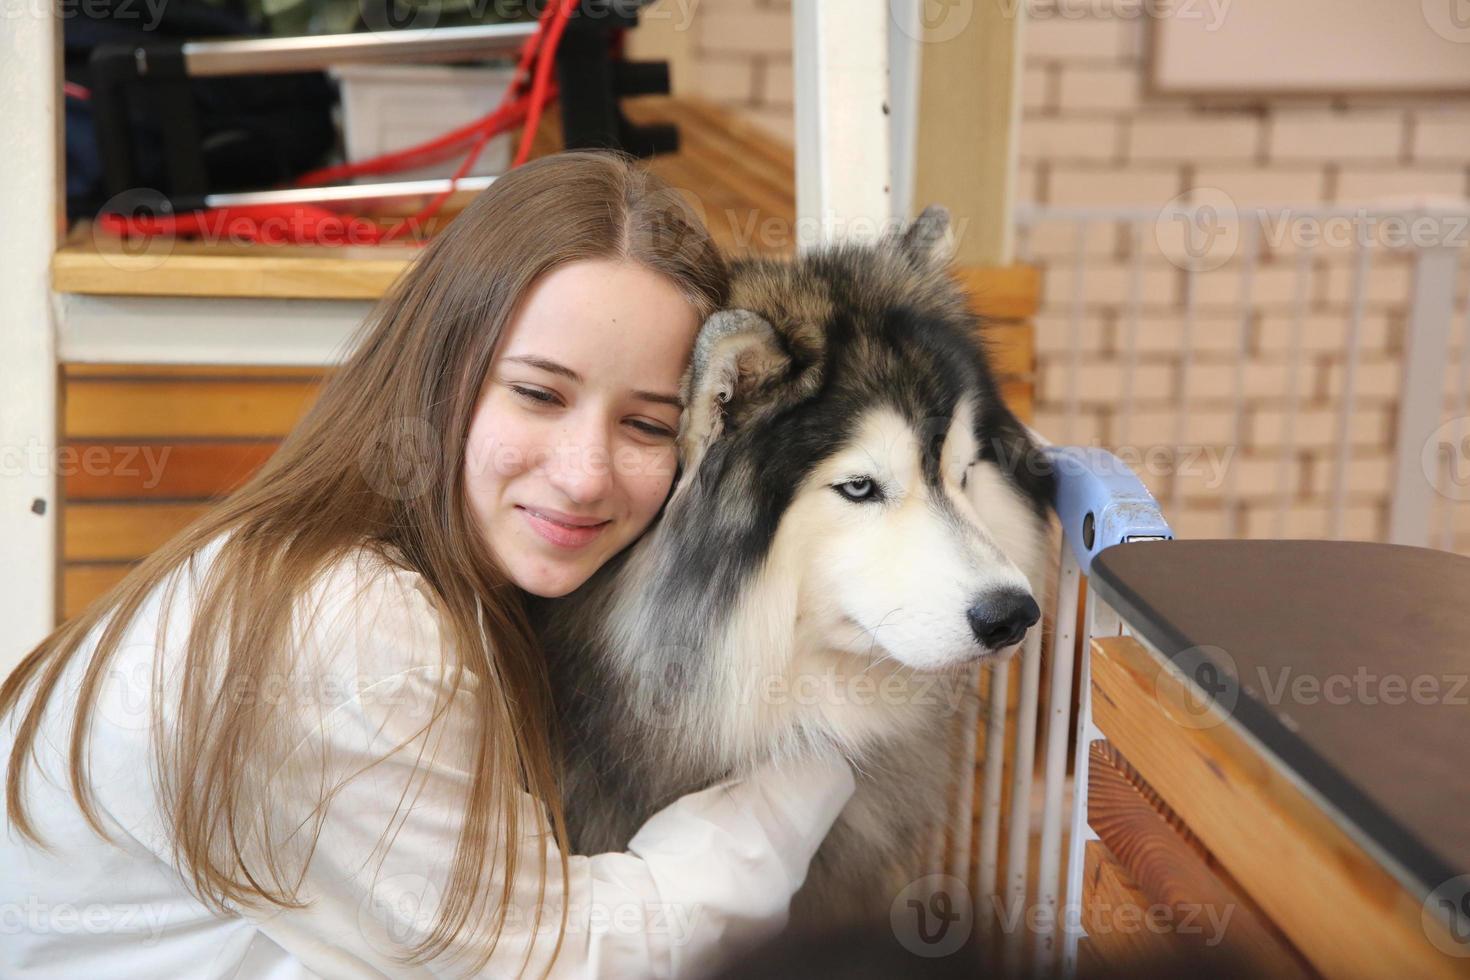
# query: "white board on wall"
(1270, 47)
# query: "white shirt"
(708, 876)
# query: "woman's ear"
(736, 357)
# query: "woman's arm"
(711, 874)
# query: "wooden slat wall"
(147, 447)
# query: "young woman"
(311, 736)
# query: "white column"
(905, 75)
(31, 214)
(843, 154)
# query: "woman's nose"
(582, 467)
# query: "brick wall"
(1092, 135)
(741, 58)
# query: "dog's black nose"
(1000, 619)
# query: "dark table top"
(1349, 661)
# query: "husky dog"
(856, 519)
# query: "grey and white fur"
(857, 519)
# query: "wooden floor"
(147, 447)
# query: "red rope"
(530, 90)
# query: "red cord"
(540, 92)
(314, 224)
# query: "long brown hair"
(408, 392)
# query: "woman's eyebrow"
(553, 367)
(548, 365)
(660, 399)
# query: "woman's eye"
(535, 394)
(648, 428)
(860, 490)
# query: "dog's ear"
(929, 241)
(737, 356)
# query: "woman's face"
(571, 449)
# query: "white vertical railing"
(1274, 427)
(1250, 234)
(1301, 296)
(1362, 264)
(1049, 882)
(1461, 411)
(1421, 397)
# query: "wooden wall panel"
(147, 447)
(170, 409)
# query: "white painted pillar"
(843, 154)
(905, 75)
(31, 212)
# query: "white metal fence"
(1269, 371)
(1322, 355)
(1016, 847)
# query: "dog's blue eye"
(858, 491)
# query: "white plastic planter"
(391, 107)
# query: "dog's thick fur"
(767, 614)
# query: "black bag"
(253, 131)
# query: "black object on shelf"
(125, 132)
(166, 74)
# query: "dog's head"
(842, 415)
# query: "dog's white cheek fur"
(1009, 521)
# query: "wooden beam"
(968, 111)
